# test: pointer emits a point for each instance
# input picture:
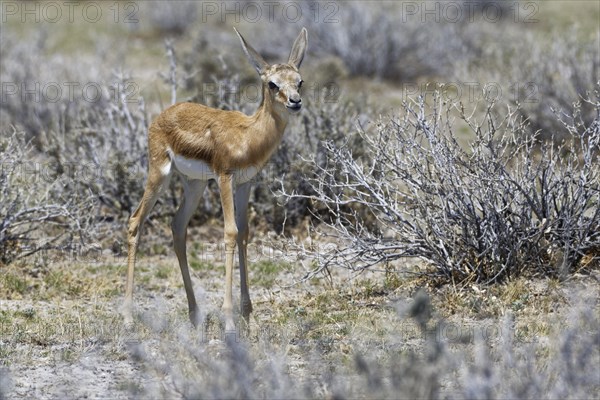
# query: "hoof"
(126, 311)
(195, 318)
(128, 326)
(229, 325)
(128, 320)
(246, 310)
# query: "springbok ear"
(255, 59)
(298, 49)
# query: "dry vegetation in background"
(468, 226)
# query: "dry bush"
(506, 205)
(437, 364)
(293, 162)
(87, 135)
(36, 215)
(84, 146)
(103, 147)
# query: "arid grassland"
(369, 336)
(429, 226)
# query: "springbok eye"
(273, 86)
(300, 84)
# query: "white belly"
(197, 169)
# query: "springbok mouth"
(294, 107)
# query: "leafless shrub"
(504, 206)
(104, 149)
(95, 143)
(289, 166)
(35, 214)
(183, 363)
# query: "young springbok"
(203, 143)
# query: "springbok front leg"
(158, 180)
(192, 193)
(242, 195)
(226, 189)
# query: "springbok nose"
(295, 99)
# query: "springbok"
(203, 143)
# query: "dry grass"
(312, 339)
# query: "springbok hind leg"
(191, 197)
(242, 195)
